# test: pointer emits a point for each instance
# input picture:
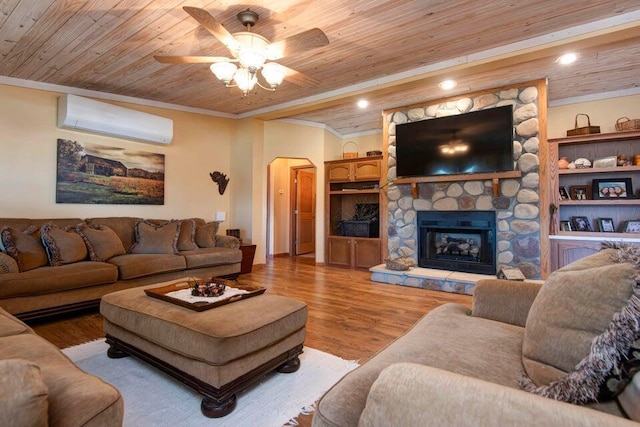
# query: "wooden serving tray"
(162, 291)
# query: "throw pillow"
(156, 239)
(8, 264)
(206, 234)
(23, 394)
(581, 327)
(101, 241)
(186, 239)
(25, 247)
(63, 245)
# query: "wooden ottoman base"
(216, 402)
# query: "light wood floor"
(349, 316)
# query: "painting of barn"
(97, 174)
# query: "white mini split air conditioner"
(84, 114)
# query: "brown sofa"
(516, 358)
(51, 266)
(40, 386)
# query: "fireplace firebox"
(457, 241)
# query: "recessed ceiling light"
(363, 103)
(447, 84)
(567, 58)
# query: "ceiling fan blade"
(298, 78)
(214, 27)
(300, 42)
(190, 59)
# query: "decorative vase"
(563, 163)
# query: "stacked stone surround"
(517, 206)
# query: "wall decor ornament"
(98, 174)
(220, 179)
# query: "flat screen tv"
(476, 142)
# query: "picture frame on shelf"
(631, 226)
(565, 225)
(580, 192)
(605, 225)
(564, 195)
(611, 188)
(605, 162)
(580, 223)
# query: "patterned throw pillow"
(186, 239)
(63, 245)
(8, 264)
(582, 329)
(24, 247)
(206, 234)
(101, 241)
(156, 239)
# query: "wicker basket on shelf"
(349, 154)
(584, 130)
(625, 123)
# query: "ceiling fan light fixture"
(273, 74)
(224, 71)
(245, 80)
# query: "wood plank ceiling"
(392, 52)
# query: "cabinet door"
(339, 172)
(565, 252)
(367, 170)
(366, 252)
(339, 252)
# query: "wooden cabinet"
(354, 170)
(350, 185)
(565, 252)
(575, 193)
(353, 252)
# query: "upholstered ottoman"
(218, 352)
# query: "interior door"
(305, 212)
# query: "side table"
(248, 252)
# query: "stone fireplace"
(515, 208)
(457, 241)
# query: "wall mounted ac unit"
(84, 114)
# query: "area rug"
(152, 398)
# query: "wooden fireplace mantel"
(495, 177)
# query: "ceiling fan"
(251, 52)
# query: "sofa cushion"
(207, 257)
(23, 394)
(186, 239)
(156, 239)
(47, 280)
(101, 241)
(8, 264)
(124, 227)
(139, 265)
(448, 338)
(583, 323)
(206, 234)
(75, 397)
(630, 398)
(63, 246)
(9, 325)
(24, 247)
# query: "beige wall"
(28, 163)
(283, 139)
(364, 143)
(603, 113)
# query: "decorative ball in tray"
(213, 287)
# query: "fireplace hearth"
(457, 241)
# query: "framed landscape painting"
(97, 174)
